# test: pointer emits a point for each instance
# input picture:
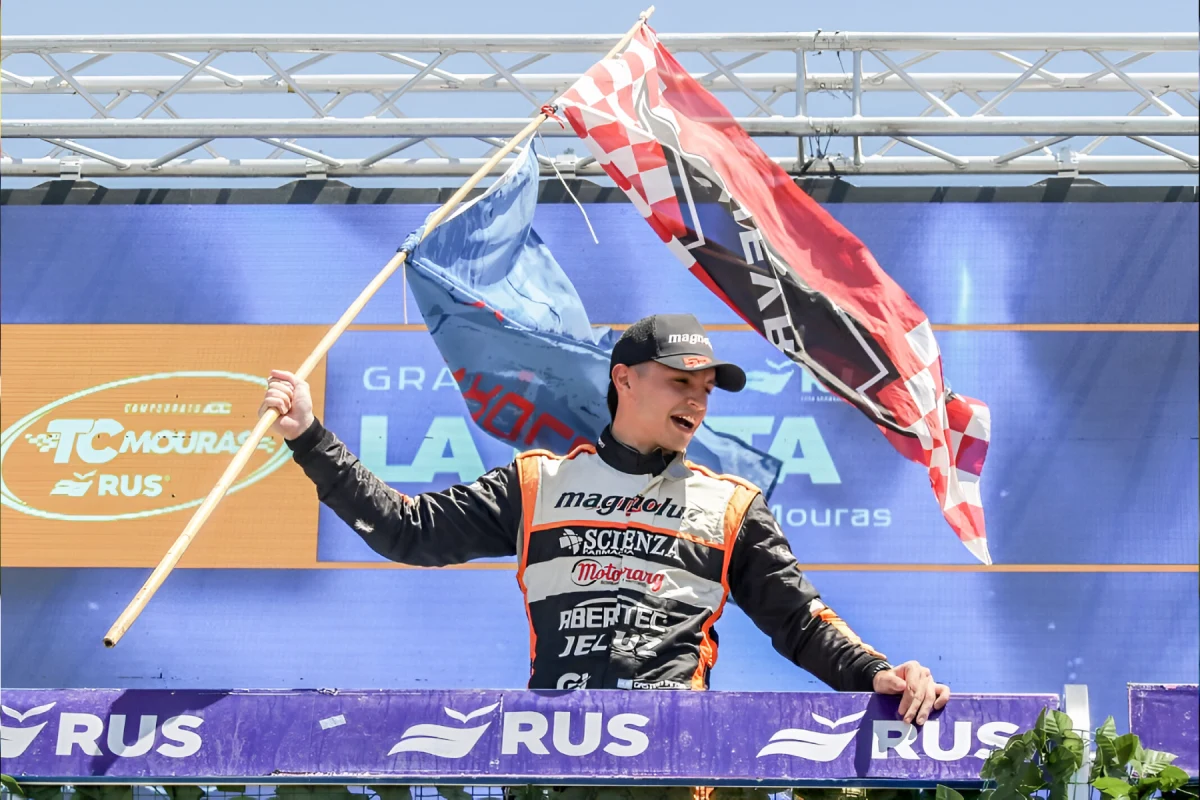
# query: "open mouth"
(684, 422)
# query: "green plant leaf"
(104, 792)
(44, 792)
(184, 792)
(946, 793)
(10, 783)
(1182, 793)
(1153, 762)
(1064, 760)
(1129, 747)
(1005, 765)
(815, 794)
(1008, 794)
(1146, 787)
(1113, 787)
(1073, 742)
(1115, 763)
(1016, 773)
(391, 792)
(1000, 767)
(321, 792)
(522, 792)
(1106, 744)
(1171, 778)
(1057, 725)
(1031, 779)
(1042, 728)
(998, 762)
(744, 793)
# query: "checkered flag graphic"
(792, 272)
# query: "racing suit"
(625, 559)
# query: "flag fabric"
(514, 332)
(740, 224)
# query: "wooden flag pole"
(201, 515)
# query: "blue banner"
(1068, 480)
(963, 263)
(1090, 483)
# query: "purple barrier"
(461, 737)
(1167, 717)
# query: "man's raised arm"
(433, 529)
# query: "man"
(626, 551)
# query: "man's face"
(660, 406)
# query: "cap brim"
(730, 377)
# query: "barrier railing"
(481, 737)
(660, 738)
(1167, 717)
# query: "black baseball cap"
(676, 340)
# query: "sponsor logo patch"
(587, 572)
(606, 542)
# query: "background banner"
(843, 495)
(1076, 322)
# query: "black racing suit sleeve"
(433, 529)
(767, 583)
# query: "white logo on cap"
(688, 338)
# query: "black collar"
(624, 458)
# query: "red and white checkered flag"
(781, 262)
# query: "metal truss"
(108, 108)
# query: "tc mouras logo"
(134, 448)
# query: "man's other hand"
(915, 682)
(290, 396)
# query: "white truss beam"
(508, 126)
(433, 167)
(377, 118)
(601, 43)
(558, 82)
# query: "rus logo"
(175, 737)
(528, 730)
(889, 739)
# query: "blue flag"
(513, 331)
